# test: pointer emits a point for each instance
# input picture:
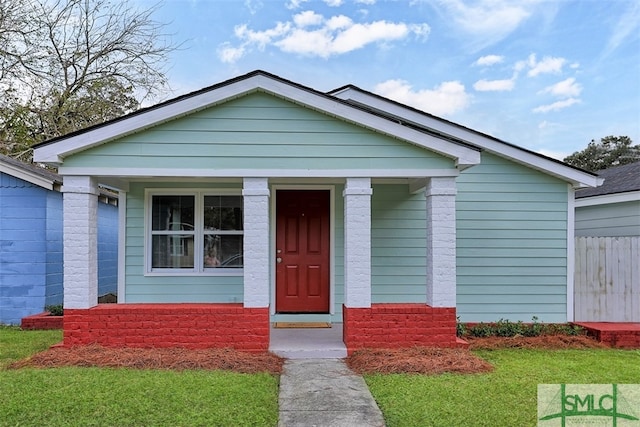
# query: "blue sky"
(547, 75)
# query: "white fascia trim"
(257, 173)
(571, 252)
(27, 176)
(577, 178)
(605, 199)
(55, 152)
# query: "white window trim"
(198, 269)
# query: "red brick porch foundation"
(614, 334)
(169, 325)
(41, 321)
(399, 325)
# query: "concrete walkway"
(325, 392)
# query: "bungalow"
(31, 240)
(260, 200)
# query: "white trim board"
(605, 199)
(257, 173)
(571, 253)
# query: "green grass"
(126, 397)
(16, 344)
(505, 397)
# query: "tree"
(69, 64)
(610, 151)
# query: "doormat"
(301, 325)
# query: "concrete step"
(315, 343)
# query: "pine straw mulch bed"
(418, 360)
(154, 358)
(430, 361)
(548, 342)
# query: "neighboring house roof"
(621, 184)
(30, 173)
(44, 178)
(348, 103)
(618, 179)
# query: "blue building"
(31, 248)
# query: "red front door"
(302, 251)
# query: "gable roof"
(55, 150)
(618, 179)
(578, 177)
(33, 174)
(348, 103)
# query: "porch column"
(80, 227)
(255, 193)
(357, 242)
(441, 242)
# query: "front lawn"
(126, 397)
(505, 397)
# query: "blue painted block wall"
(107, 249)
(23, 248)
(31, 249)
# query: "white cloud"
(488, 21)
(253, 5)
(338, 22)
(333, 3)
(369, 2)
(494, 85)
(565, 88)
(307, 18)
(295, 4)
(445, 99)
(488, 60)
(548, 64)
(626, 27)
(559, 105)
(310, 34)
(229, 54)
(261, 38)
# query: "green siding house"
(259, 200)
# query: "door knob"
(278, 260)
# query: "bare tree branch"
(67, 64)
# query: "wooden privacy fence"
(607, 279)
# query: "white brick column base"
(441, 242)
(80, 227)
(357, 242)
(255, 194)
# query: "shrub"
(506, 328)
(55, 310)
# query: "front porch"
(198, 326)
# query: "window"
(195, 232)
